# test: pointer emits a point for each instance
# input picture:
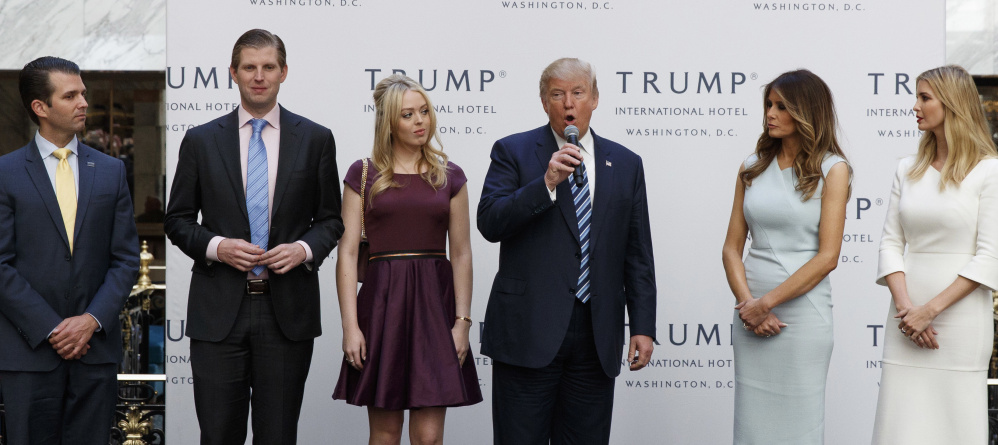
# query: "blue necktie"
(256, 190)
(584, 213)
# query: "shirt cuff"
(308, 251)
(212, 254)
(553, 194)
(99, 326)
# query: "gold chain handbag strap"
(363, 204)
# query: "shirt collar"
(586, 141)
(273, 117)
(45, 148)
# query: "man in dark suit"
(68, 258)
(570, 259)
(264, 181)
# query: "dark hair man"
(69, 253)
(265, 184)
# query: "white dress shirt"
(588, 158)
(47, 149)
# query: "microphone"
(572, 136)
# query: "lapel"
(227, 144)
(603, 158)
(287, 156)
(40, 179)
(87, 173)
(546, 146)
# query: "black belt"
(406, 255)
(257, 287)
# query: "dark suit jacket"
(40, 282)
(539, 254)
(208, 180)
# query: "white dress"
(939, 396)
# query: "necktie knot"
(61, 153)
(258, 125)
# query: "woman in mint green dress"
(791, 197)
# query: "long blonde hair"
(809, 102)
(388, 109)
(966, 129)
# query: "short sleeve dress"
(405, 308)
(939, 396)
(780, 380)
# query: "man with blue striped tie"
(574, 254)
(265, 184)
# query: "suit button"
(578, 255)
(571, 289)
(69, 257)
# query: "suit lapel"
(287, 157)
(85, 168)
(227, 143)
(546, 146)
(603, 158)
(40, 178)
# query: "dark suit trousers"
(569, 401)
(70, 405)
(255, 365)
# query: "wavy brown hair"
(968, 137)
(388, 110)
(809, 102)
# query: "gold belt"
(406, 255)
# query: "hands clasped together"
(245, 256)
(916, 324)
(758, 317)
(71, 338)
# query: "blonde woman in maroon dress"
(405, 335)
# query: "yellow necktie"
(65, 192)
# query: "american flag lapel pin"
(90, 163)
(609, 164)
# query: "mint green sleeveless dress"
(780, 380)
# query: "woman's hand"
(927, 339)
(753, 312)
(461, 343)
(916, 324)
(769, 327)
(915, 320)
(354, 348)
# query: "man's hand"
(70, 338)
(643, 345)
(283, 258)
(561, 165)
(239, 253)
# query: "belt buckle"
(256, 287)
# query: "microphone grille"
(571, 130)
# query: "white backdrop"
(481, 62)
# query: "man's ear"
(40, 108)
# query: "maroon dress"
(405, 307)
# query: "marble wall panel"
(105, 35)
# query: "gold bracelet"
(468, 319)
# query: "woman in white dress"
(791, 195)
(944, 210)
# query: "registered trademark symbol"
(754, 76)
(879, 202)
(502, 73)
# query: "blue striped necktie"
(583, 212)
(257, 191)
